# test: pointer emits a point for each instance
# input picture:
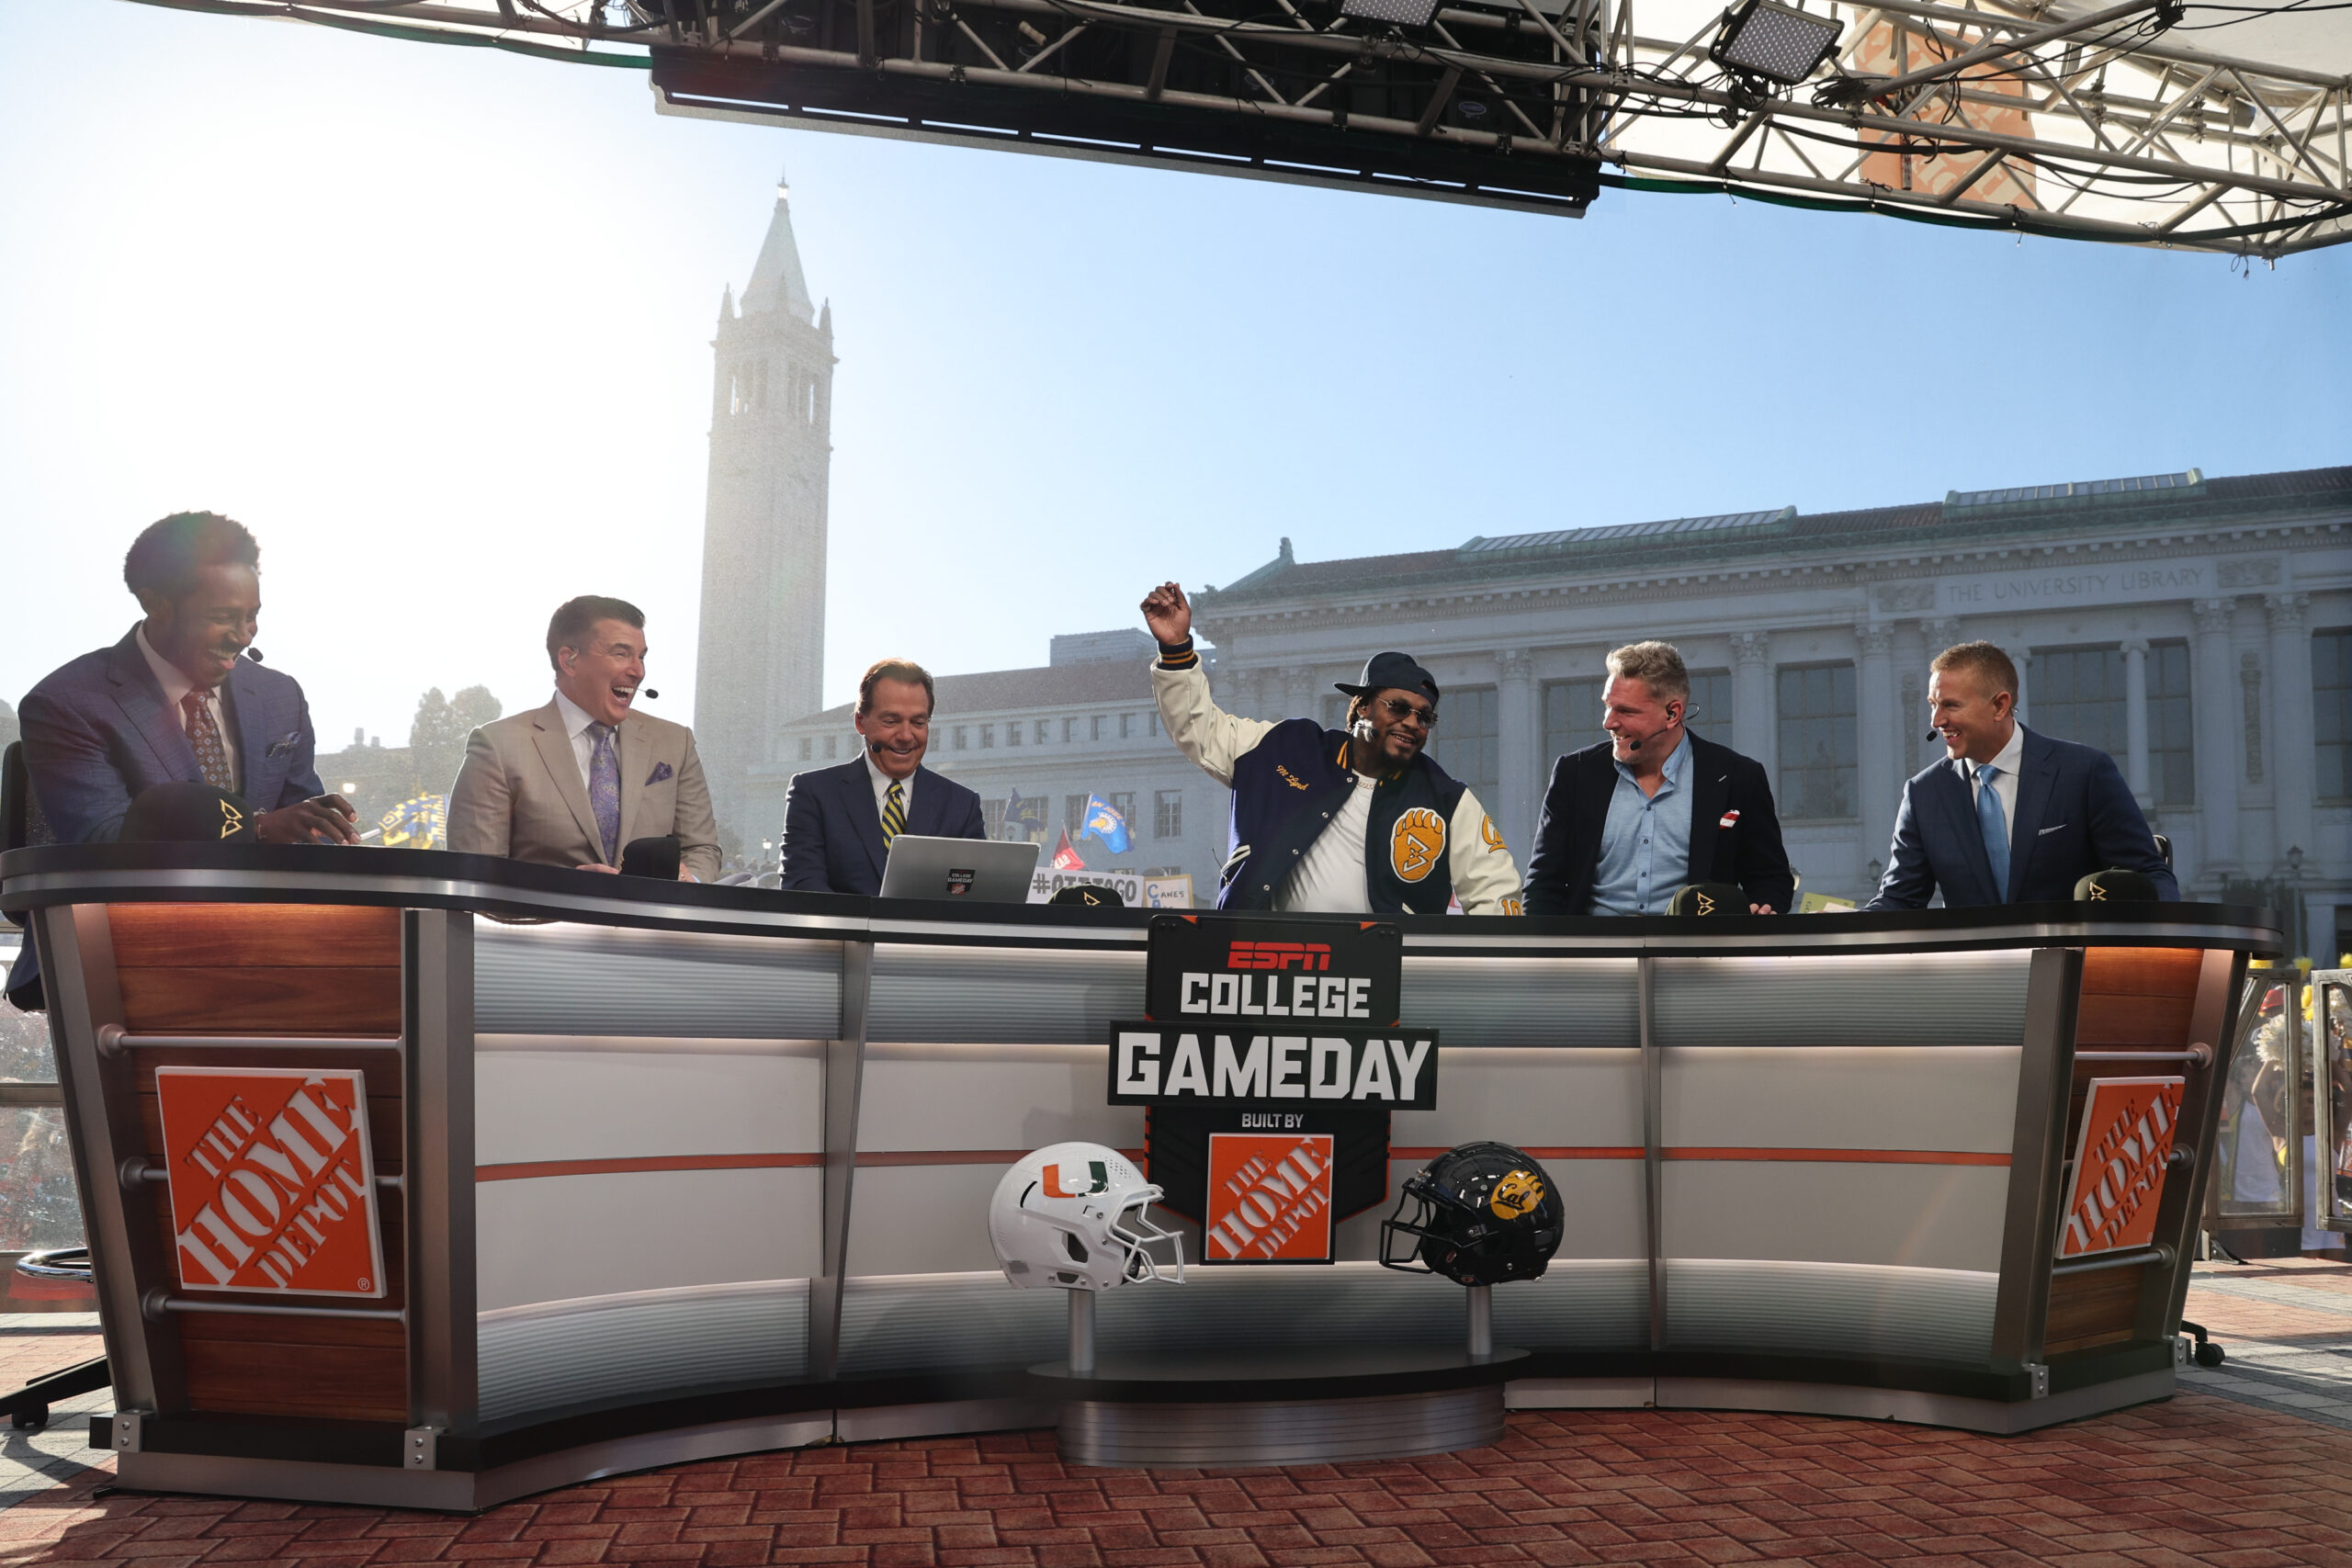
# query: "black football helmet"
(1482, 1213)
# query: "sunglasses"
(1400, 710)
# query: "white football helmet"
(1077, 1216)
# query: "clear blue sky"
(434, 322)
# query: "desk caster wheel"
(2209, 1354)
(32, 1420)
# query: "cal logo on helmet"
(1515, 1194)
(1097, 1172)
(1416, 844)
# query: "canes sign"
(273, 1186)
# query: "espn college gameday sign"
(2120, 1159)
(1271, 1060)
(272, 1182)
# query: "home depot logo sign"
(2119, 1162)
(1270, 1197)
(272, 1184)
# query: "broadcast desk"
(682, 1171)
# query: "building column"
(2219, 745)
(1755, 730)
(1518, 720)
(1876, 776)
(2294, 775)
(2135, 718)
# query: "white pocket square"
(2047, 831)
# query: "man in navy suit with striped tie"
(2008, 817)
(838, 822)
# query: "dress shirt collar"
(1677, 760)
(882, 781)
(168, 675)
(576, 719)
(2008, 759)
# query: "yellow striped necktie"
(894, 813)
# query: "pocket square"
(281, 748)
(660, 771)
(2047, 831)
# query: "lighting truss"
(2094, 124)
(1775, 43)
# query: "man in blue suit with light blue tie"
(178, 699)
(2008, 817)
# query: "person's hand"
(1761, 910)
(1169, 613)
(599, 865)
(322, 820)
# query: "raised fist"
(1168, 613)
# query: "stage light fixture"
(1779, 43)
(1401, 13)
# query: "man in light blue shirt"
(1631, 820)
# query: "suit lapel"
(1710, 780)
(555, 754)
(253, 735)
(2037, 771)
(865, 813)
(1597, 786)
(141, 702)
(635, 750)
(1953, 798)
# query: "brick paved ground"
(2236, 1480)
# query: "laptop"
(979, 871)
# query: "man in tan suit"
(571, 783)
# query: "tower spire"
(778, 283)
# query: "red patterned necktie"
(205, 735)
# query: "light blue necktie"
(1996, 832)
(604, 789)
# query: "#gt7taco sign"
(272, 1182)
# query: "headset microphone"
(1362, 730)
(254, 654)
(1932, 734)
(651, 692)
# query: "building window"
(2332, 712)
(1126, 725)
(1123, 803)
(1817, 742)
(992, 817)
(832, 745)
(2172, 757)
(1095, 733)
(1155, 721)
(1335, 710)
(1466, 739)
(1012, 733)
(1710, 715)
(1042, 733)
(1074, 812)
(988, 738)
(808, 747)
(1167, 814)
(1571, 719)
(961, 737)
(2078, 697)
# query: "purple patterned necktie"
(605, 790)
(205, 737)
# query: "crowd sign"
(1270, 1060)
(2120, 1157)
(1136, 892)
(272, 1183)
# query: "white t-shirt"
(1330, 876)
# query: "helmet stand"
(1082, 1333)
(1480, 1302)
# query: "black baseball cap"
(189, 813)
(1400, 670)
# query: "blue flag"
(1104, 822)
(1023, 817)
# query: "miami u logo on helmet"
(1416, 842)
(1095, 1169)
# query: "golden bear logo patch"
(1515, 1194)
(1488, 831)
(1415, 844)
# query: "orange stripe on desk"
(1847, 1157)
(527, 1170)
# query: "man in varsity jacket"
(1355, 822)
